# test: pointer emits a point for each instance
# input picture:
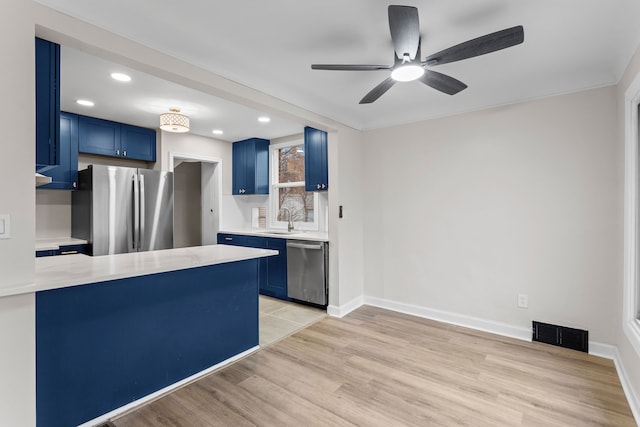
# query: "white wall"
(346, 234)
(464, 213)
(17, 162)
(17, 198)
(187, 143)
(53, 213)
(629, 357)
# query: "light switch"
(5, 227)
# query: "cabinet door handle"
(228, 238)
(124, 153)
(68, 252)
(324, 186)
(318, 186)
(75, 184)
(117, 152)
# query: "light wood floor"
(279, 319)
(380, 368)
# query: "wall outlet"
(523, 300)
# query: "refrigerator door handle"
(142, 212)
(136, 213)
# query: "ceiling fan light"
(173, 121)
(407, 73)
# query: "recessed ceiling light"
(121, 77)
(264, 119)
(217, 132)
(85, 102)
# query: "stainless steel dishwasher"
(307, 271)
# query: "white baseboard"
(121, 410)
(490, 326)
(632, 397)
(344, 309)
(603, 350)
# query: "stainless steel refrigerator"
(120, 209)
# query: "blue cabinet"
(276, 283)
(272, 271)
(104, 345)
(107, 138)
(316, 163)
(232, 239)
(65, 175)
(63, 250)
(251, 167)
(138, 143)
(47, 61)
(99, 136)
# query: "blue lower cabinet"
(104, 345)
(276, 283)
(272, 271)
(232, 239)
(64, 250)
(48, 252)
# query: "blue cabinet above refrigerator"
(108, 138)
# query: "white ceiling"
(141, 101)
(569, 45)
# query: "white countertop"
(281, 234)
(71, 270)
(54, 243)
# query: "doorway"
(197, 190)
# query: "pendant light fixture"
(173, 121)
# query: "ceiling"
(141, 101)
(569, 46)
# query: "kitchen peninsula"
(114, 329)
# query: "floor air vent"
(575, 339)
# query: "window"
(631, 303)
(288, 195)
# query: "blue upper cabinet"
(316, 170)
(47, 104)
(138, 143)
(107, 138)
(99, 136)
(65, 175)
(251, 167)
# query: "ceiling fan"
(405, 35)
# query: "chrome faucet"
(289, 218)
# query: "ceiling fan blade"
(479, 46)
(442, 82)
(378, 91)
(349, 67)
(405, 30)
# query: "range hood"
(42, 180)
